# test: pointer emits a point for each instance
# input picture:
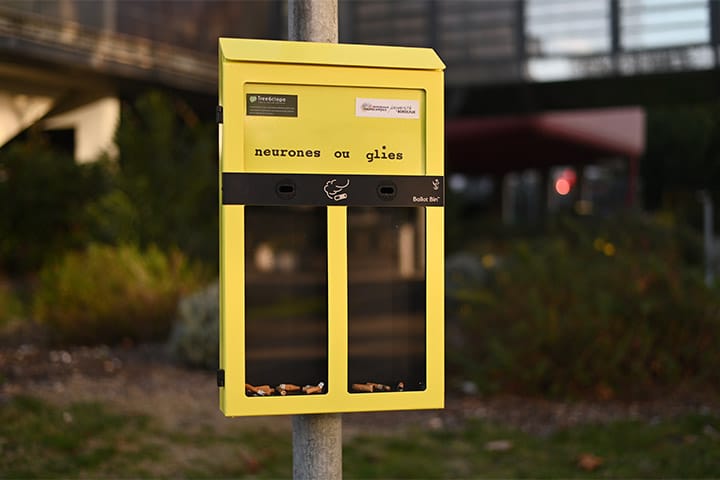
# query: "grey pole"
(317, 439)
(313, 20)
(317, 446)
(708, 237)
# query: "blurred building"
(66, 63)
(512, 65)
(541, 90)
(504, 42)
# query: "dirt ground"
(142, 379)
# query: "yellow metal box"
(331, 237)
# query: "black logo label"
(272, 105)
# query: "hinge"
(221, 378)
(219, 114)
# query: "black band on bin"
(333, 189)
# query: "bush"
(109, 294)
(612, 311)
(164, 188)
(11, 308)
(41, 193)
(194, 338)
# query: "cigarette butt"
(379, 387)
(288, 387)
(261, 390)
(310, 389)
(362, 387)
(265, 390)
(401, 386)
(282, 392)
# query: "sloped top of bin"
(338, 54)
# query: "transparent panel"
(286, 330)
(386, 299)
(664, 23)
(567, 27)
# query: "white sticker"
(385, 108)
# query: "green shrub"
(41, 193)
(164, 187)
(610, 310)
(162, 190)
(108, 294)
(11, 308)
(194, 337)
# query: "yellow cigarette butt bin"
(331, 228)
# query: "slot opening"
(285, 189)
(387, 191)
(387, 331)
(286, 298)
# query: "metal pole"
(317, 439)
(714, 9)
(317, 446)
(615, 32)
(313, 20)
(708, 237)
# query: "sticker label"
(386, 108)
(272, 105)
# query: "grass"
(37, 440)
(688, 447)
(89, 440)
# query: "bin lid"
(336, 54)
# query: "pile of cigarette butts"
(289, 389)
(370, 387)
(283, 389)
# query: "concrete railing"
(26, 35)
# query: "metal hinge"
(219, 114)
(221, 378)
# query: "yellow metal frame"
(331, 65)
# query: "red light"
(562, 186)
(565, 181)
(569, 175)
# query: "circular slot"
(387, 191)
(285, 189)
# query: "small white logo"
(333, 191)
(387, 108)
(436, 184)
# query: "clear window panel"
(567, 27)
(286, 330)
(664, 23)
(386, 299)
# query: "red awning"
(503, 144)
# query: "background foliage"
(42, 192)
(108, 294)
(110, 241)
(682, 156)
(194, 340)
(164, 191)
(607, 309)
(11, 308)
